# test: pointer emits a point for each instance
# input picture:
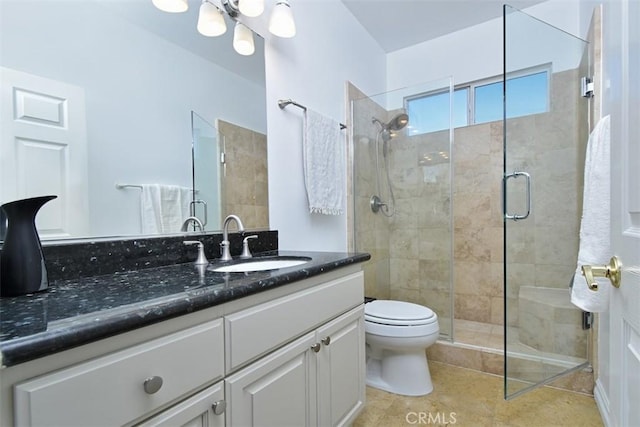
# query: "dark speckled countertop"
(79, 311)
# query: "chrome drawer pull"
(152, 384)
(219, 407)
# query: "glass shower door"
(542, 192)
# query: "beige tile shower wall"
(420, 231)
(246, 173)
(420, 236)
(477, 219)
(371, 230)
(545, 146)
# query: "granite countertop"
(76, 312)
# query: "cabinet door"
(341, 369)
(197, 411)
(278, 390)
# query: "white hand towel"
(595, 245)
(324, 164)
(163, 208)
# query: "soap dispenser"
(202, 259)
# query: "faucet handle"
(246, 253)
(202, 259)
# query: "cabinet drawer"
(110, 390)
(252, 332)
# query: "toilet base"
(405, 373)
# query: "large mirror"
(106, 94)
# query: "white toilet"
(397, 334)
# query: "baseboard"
(602, 401)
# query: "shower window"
(430, 112)
(480, 101)
(529, 94)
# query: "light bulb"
(243, 40)
(251, 8)
(210, 20)
(281, 22)
(172, 6)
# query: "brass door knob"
(612, 271)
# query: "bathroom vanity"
(189, 347)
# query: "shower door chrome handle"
(527, 177)
(192, 208)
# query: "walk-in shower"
(498, 286)
(386, 133)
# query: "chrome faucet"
(224, 245)
(196, 222)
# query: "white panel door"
(43, 150)
(625, 224)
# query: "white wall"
(330, 48)
(473, 53)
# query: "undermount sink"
(261, 264)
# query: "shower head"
(398, 122)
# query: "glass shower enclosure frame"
(402, 198)
(542, 183)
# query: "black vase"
(22, 269)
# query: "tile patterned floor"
(464, 397)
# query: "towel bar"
(282, 103)
(121, 186)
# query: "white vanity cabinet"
(316, 380)
(290, 356)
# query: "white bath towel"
(163, 208)
(324, 164)
(595, 245)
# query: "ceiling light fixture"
(243, 40)
(281, 23)
(171, 6)
(211, 21)
(251, 8)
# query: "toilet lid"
(397, 312)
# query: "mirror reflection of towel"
(324, 164)
(163, 208)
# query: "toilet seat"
(398, 313)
